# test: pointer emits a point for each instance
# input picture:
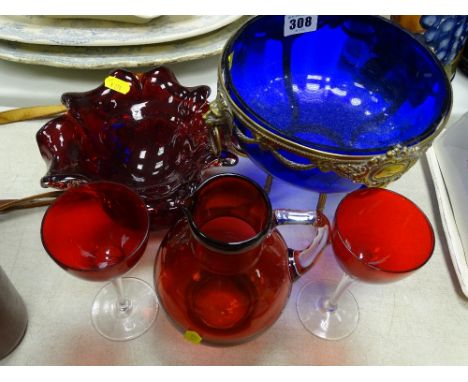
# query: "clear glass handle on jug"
(300, 261)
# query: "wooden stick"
(38, 200)
(27, 113)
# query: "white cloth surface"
(421, 320)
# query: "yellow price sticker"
(120, 86)
(192, 337)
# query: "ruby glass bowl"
(153, 139)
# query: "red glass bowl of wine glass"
(379, 236)
(98, 231)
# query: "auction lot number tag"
(299, 24)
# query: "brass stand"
(268, 183)
(321, 202)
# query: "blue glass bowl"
(355, 101)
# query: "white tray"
(448, 162)
(92, 57)
(92, 32)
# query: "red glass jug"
(223, 272)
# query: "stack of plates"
(95, 43)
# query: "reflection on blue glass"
(356, 85)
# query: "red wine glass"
(98, 231)
(379, 236)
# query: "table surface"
(421, 320)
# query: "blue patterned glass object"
(446, 35)
(357, 85)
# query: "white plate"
(132, 19)
(117, 57)
(448, 162)
(81, 32)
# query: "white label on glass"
(299, 24)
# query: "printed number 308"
(300, 22)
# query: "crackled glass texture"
(152, 139)
(357, 85)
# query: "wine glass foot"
(330, 323)
(125, 322)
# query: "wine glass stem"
(330, 303)
(124, 304)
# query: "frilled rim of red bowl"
(76, 151)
